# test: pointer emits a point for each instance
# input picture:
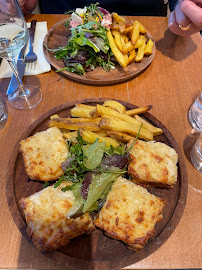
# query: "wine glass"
(13, 36)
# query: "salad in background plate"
(88, 46)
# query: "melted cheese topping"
(130, 214)
(45, 213)
(153, 162)
(50, 203)
(43, 154)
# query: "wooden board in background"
(58, 36)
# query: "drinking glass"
(195, 114)
(13, 36)
(196, 154)
(3, 114)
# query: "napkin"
(42, 65)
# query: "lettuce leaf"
(100, 185)
(79, 201)
(93, 154)
(100, 43)
(83, 41)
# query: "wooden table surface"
(171, 83)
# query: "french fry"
(69, 135)
(115, 105)
(114, 32)
(109, 117)
(117, 53)
(122, 41)
(131, 37)
(122, 126)
(117, 18)
(128, 47)
(126, 39)
(128, 24)
(120, 136)
(117, 38)
(126, 58)
(128, 30)
(85, 106)
(142, 28)
(75, 123)
(84, 112)
(156, 131)
(139, 42)
(54, 116)
(139, 110)
(148, 48)
(140, 52)
(108, 113)
(62, 130)
(103, 110)
(132, 55)
(135, 32)
(114, 125)
(90, 137)
(115, 26)
(102, 132)
(122, 26)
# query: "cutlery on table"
(13, 85)
(31, 57)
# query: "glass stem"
(23, 91)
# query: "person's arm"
(27, 6)
(186, 13)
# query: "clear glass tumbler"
(3, 115)
(195, 114)
(196, 154)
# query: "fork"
(31, 57)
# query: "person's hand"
(187, 13)
(27, 6)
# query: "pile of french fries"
(128, 42)
(109, 122)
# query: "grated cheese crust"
(47, 224)
(43, 154)
(153, 164)
(130, 214)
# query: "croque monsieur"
(153, 164)
(43, 154)
(47, 223)
(130, 214)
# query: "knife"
(13, 85)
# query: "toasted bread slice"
(153, 164)
(43, 154)
(45, 213)
(130, 214)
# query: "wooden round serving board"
(58, 37)
(97, 250)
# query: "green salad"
(88, 46)
(92, 169)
